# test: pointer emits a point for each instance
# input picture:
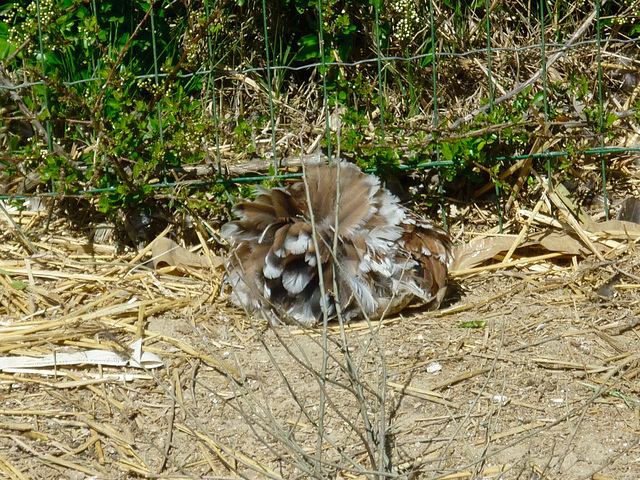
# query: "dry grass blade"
(107, 430)
(523, 231)
(18, 231)
(560, 201)
(500, 266)
(229, 460)
(460, 378)
(489, 471)
(56, 461)
(10, 470)
(518, 430)
(431, 396)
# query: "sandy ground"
(544, 386)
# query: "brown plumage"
(386, 256)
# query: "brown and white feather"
(386, 256)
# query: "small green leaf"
(538, 98)
(19, 284)
(473, 324)
(447, 151)
(309, 48)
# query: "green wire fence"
(109, 100)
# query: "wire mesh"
(424, 99)
(121, 103)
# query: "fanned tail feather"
(385, 258)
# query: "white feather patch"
(365, 264)
(294, 280)
(390, 210)
(311, 258)
(384, 235)
(444, 258)
(299, 244)
(271, 269)
(229, 230)
(362, 292)
(384, 266)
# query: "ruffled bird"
(293, 256)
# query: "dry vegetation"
(530, 371)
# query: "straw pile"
(538, 318)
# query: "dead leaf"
(166, 251)
(479, 251)
(615, 229)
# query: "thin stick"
(523, 232)
(21, 235)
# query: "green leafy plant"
(127, 95)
